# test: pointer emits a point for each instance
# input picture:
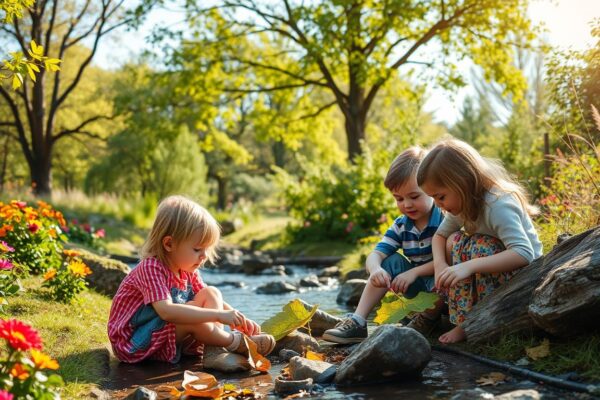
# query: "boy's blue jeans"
(397, 264)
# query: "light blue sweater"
(504, 218)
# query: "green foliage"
(395, 307)
(85, 233)
(339, 202)
(68, 281)
(9, 275)
(293, 316)
(34, 233)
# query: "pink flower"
(5, 247)
(20, 204)
(100, 233)
(5, 395)
(5, 264)
(19, 335)
(344, 216)
(33, 228)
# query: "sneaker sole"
(339, 340)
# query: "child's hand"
(232, 318)
(250, 328)
(437, 273)
(380, 278)
(454, 274)
(403, 281)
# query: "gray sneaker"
(345, 332)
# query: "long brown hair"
(457, 166)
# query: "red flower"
(19, 335)
(20, 204)
(33, 228)
(87, 228)
(5, 395)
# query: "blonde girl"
(487, 234)
(163, 308)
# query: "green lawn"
(74, 334)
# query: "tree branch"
(79, 128)
(18, 124)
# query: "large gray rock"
(107, 273)
(360, 273)
(567, 302)
(309, 281)
(391, 352)
(320, 322)
(351, 291)
(319, 371)
(219, 359)
(298, 342)
(329, 272)
(276, 288)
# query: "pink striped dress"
(134, 329)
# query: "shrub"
(23, 365)
(66, 282)
(85, 233)
(34, 233)
(9, 280)
(339, 202)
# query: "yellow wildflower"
(51, 273)
(79, 269)
(43, 361)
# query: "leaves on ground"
(491, 379)
(311, 355)
(537, 352)
(201, 384)
(292, 316)
(395, 307)
(255, 359)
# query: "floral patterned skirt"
(466, 293)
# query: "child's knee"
(208, 294)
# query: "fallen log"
(506, 311)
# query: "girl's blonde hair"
(459, 167)
(181, 218)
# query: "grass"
(73, 334)
(579, 354)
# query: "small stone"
(142, 393)
(283, 386)
(276, 288)
(318, 371)
(286, 354)
(528, 394)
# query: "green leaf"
(395, 307)
(293, 316)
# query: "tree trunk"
(278, 150)
(221, 192)
(41, 177)
(355, 133)
(507, 310)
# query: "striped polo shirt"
(415, 244)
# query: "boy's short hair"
(404, 167)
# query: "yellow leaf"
(36, 52)
(311, 355)
(31, 72)
(292, 316)
(394, 307)
(493, 378)
(17, 81)
(541, 351)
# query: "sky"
(567, 24)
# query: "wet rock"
(469, 394)
(99, 394)
(351, 291)
(310, 281)
(360, 273)
(276, 288)
(275, 270)
(283, 386)
(298, 342)
(323, 280)
(528, 394)
(562, 237)
(142, 393)
(235, 284)
(220, 359)
(390, 352)
(107, 273)
(320, 371)
(287, 354)
(329, 272)
(320, 322)
(256, 262)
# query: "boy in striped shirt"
(408, 273)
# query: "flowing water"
(446, 375)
